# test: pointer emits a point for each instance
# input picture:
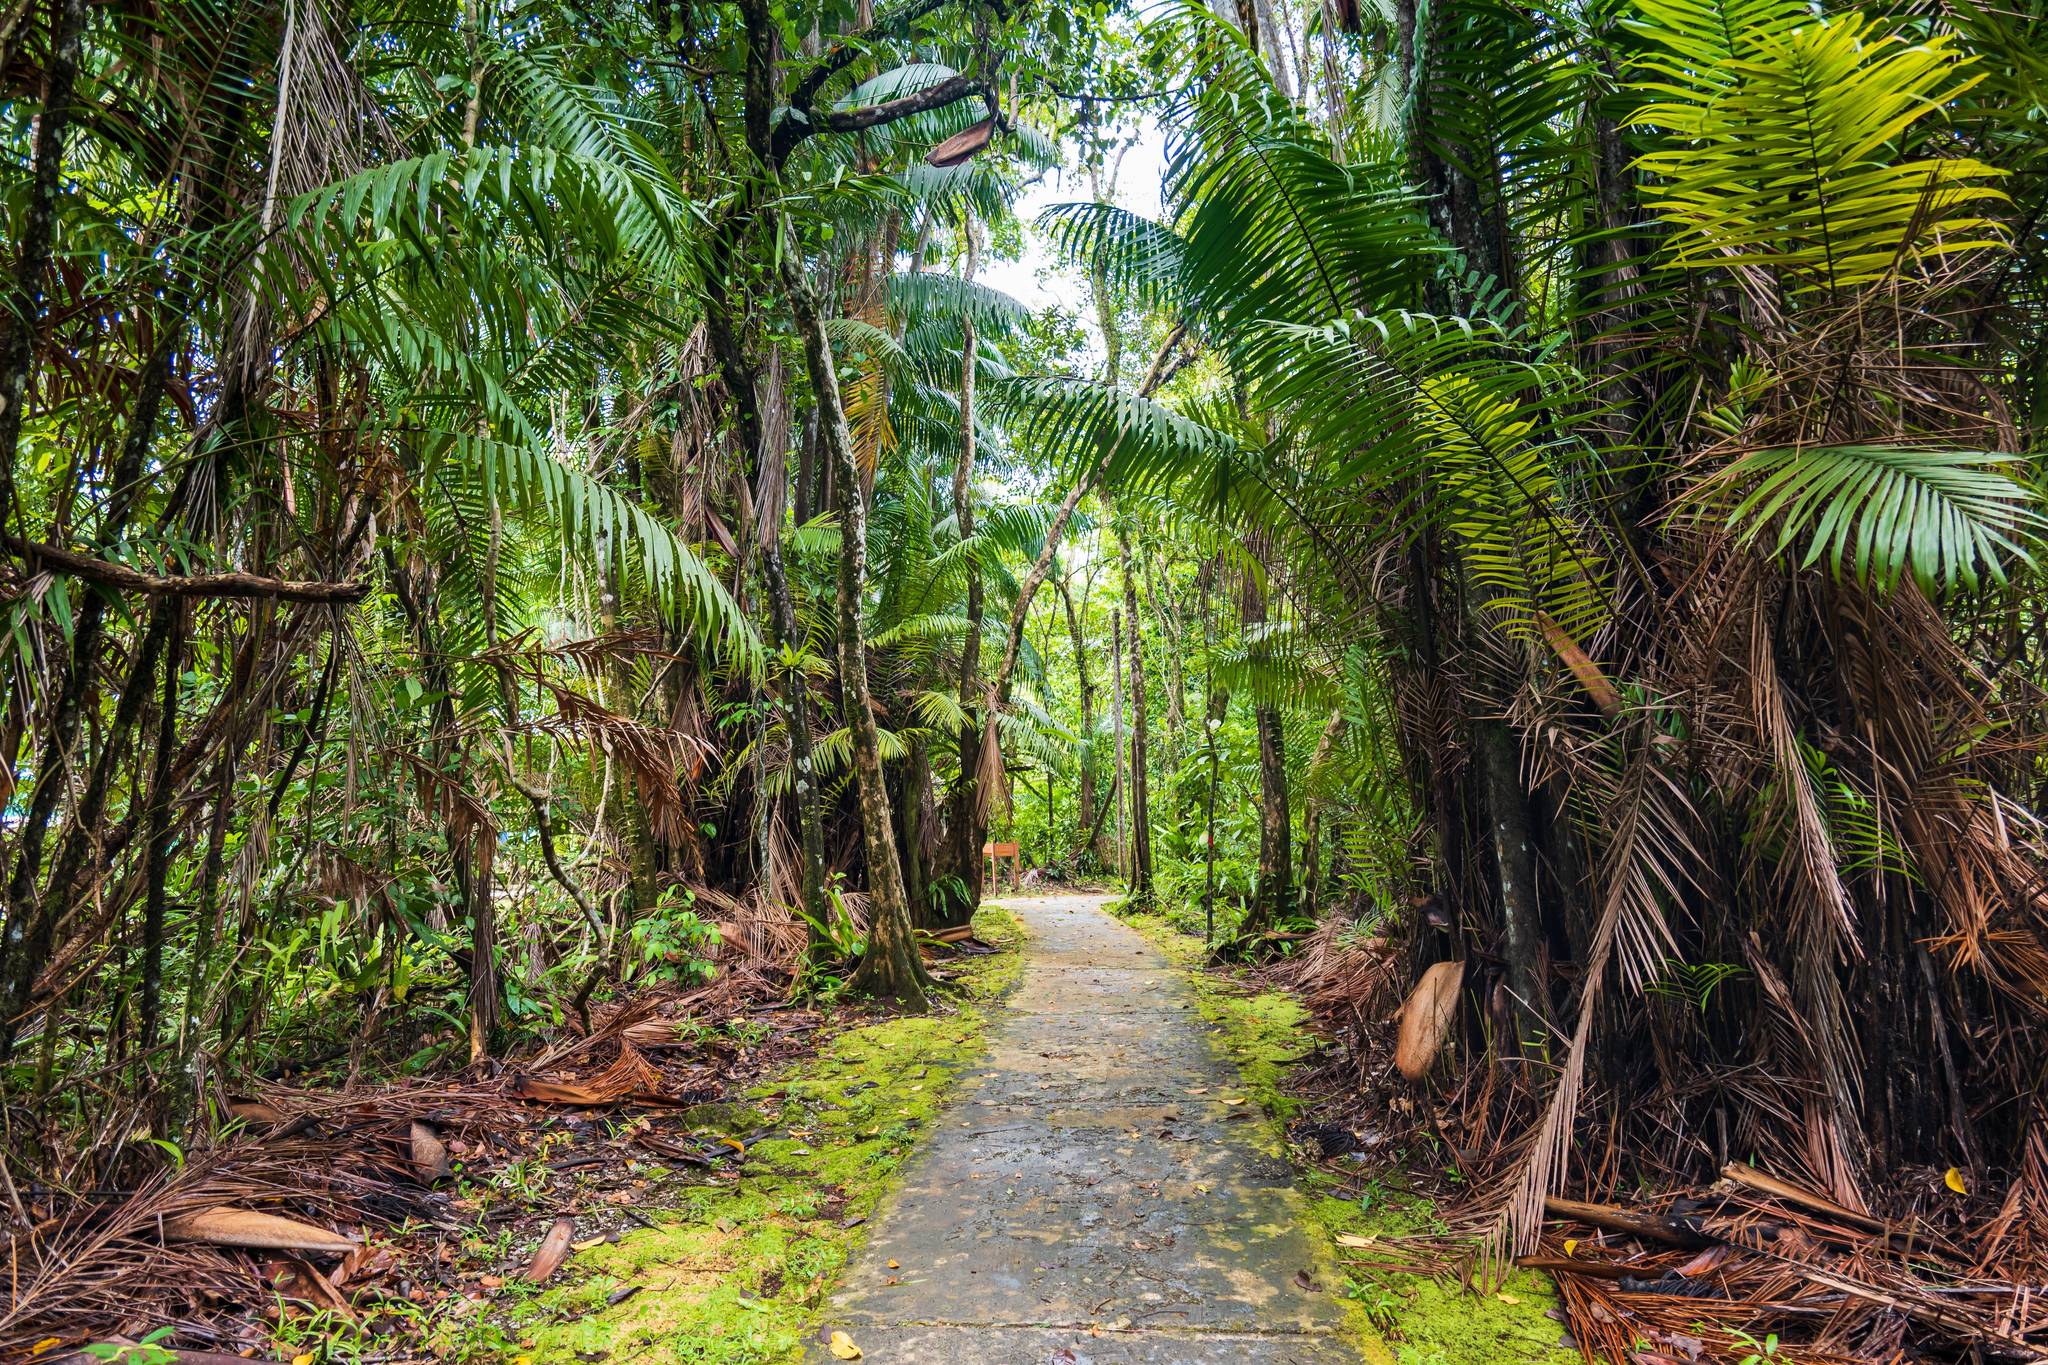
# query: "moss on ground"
(1399, 1318)
(733, 1273)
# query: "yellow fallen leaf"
(734, 1143)
(1233, 1099)
(1507, 1298)
(306, 1359)
(843, 1347)
(1571, 1246)
(47, 1343)
(894, 1266)
(1352, 1239)
(1954, 1180)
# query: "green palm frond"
(929, 293)
(1027, 730)
(1877, 513)
(940, 711)
(1275, 664)
(1080, 424)
(1274, 226)
(925, 632)
(588, 512)
(1788, 154)
(1503, 502)
(832, 753)
(1133, 255)
(1695, 42)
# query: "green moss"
(1433, 1320)
(734, 1271)
(1399, 1318)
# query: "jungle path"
(1089, 1195)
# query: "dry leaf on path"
(842, 1347)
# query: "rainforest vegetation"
(506, 505)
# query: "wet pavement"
(1090, 1196)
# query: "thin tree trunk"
(157, 848)
(1497, 757)
(31, 924)
(1085, 814)
(910, 809)
(1117, 789)
(968, 800)
(1275, 900)
(468, 848)
(1312, 807)
(1215, 705)
(891, 968)
(189, 1079)
(1140, 803)
(24, 315)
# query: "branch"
(948, 91)
(799, 123)
(122, 578)
(852, 48)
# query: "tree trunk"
(1141, 810)
(910, 834)
(156, 848)
(1085, 813)
(24, 313)
(469, 852)
(797, 723)
(1312, 817)
(1276, 852)
(1275, 898)
(967, 800)
(1497, 757)
(891, 968)
(1117, 789)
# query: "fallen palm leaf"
(1426, 1019)
(229, 1227)
(552, 1251)
(630, 1077)
(255, 1111)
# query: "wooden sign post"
(995, 853)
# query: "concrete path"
(1088, 1196)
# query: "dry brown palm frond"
(1647, 865)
